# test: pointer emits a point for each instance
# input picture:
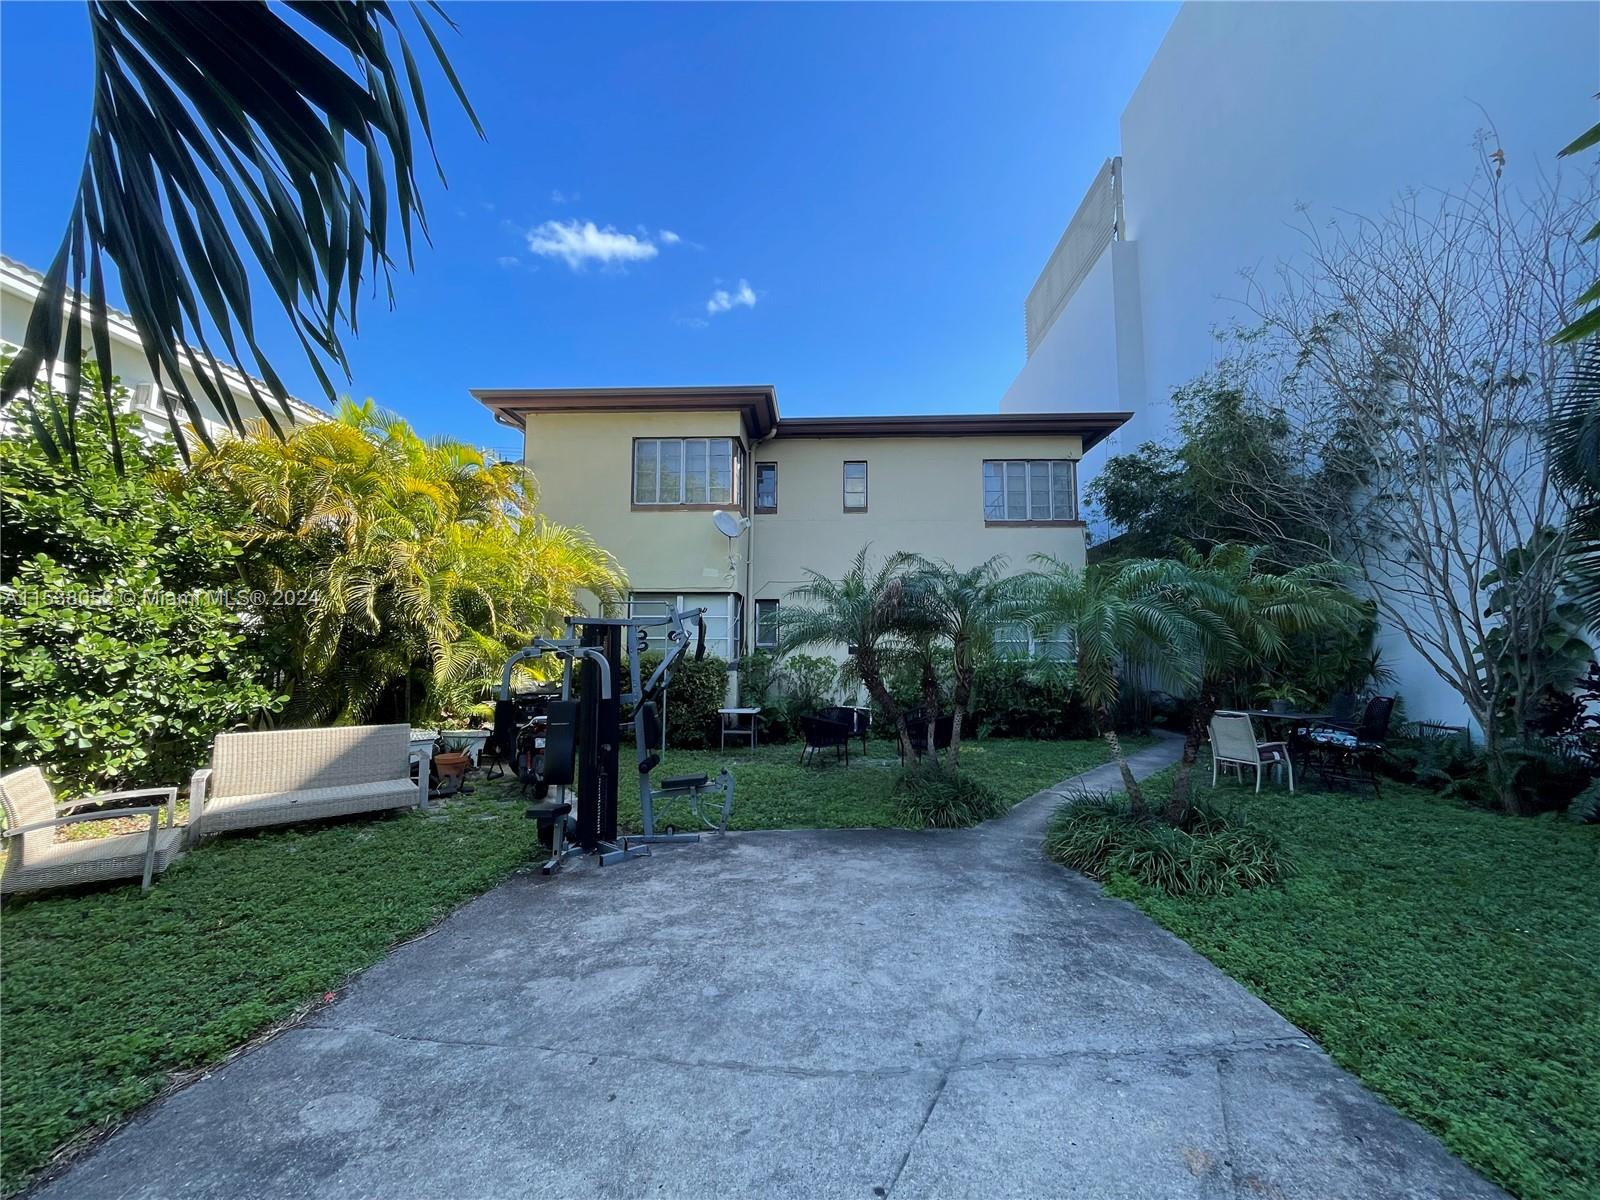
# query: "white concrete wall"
(1251, 110)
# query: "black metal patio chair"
(1344, 753)
(917, 726)
(821, 734)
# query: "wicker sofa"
(291, 775)
(35, 860)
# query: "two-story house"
(645, 470)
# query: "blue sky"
(849, 202)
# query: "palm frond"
(221, 133)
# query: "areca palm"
(224, 138)
(966, 608)
(863, 610)
(403, 555)
(1116, 615)
(1243, 618)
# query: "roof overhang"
(1091, 427)
(757, 405)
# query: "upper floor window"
(1039, 489)
(855, 487)
(683, 471)
(766, 487)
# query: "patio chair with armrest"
(35, 860)
(1344, 752)
(917, 727)
(1233, 743)
(853, 719)
(821, 734)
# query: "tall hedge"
(121, 655)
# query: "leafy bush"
(1546, 773)
(698, 690)
(1027, 698)
(1212, 854)
(930, 795)
(1585, 806)
(120, 656)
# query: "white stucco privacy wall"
(1250, 111)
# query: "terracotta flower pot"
(451, 764)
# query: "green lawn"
(107, 992)
(772, 791)
(1449, 957)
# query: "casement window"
(1016, 641)
(766, 487)
(1031, 490)
(722, 617)
(683, 471)
(766, 624)
(855, 487)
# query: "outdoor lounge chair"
(1233, 743)
(820, 734)
(34, 859)
(290, 775)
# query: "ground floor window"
(766, 624)
(722, 615)
(1017, 641)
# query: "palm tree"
(1575, 457)
(863, 610)
(402, 558)
(1243, 618)
(966, 608)
(221, 134)
(1115, 614)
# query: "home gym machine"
(583, 731)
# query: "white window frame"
(1028, 644)
(722, 615)
(1026, 473)
(682, 447)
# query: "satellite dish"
(728, 524)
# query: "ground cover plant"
(1447, 955)
(773, 791)
(106, 992)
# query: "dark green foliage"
(1211, 854)
(1028, 697)
(1446, 955)
(1544, 775)
(930, 795)
(1166, 496)
(106, 992)
(698, 689)
(120, 657)
(1585, 806)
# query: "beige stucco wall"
(925, 495)
(584, 465)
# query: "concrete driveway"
(849, 1014)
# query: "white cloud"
(557, 196)
(508, 260)
(668, 238)
(722, 300)
(578, 243)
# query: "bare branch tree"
(1410, 354)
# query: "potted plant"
(451, 761)
(1282, 697)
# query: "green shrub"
(1212, 854)
(120, 659)
(1585, 806)
(698, 689)
(1027, 698)
(929, 795)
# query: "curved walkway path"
(841, 1013)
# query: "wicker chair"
(34, 859)
(291, 775)
(822, 734)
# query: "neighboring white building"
(1247, 112)
(19, 286)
